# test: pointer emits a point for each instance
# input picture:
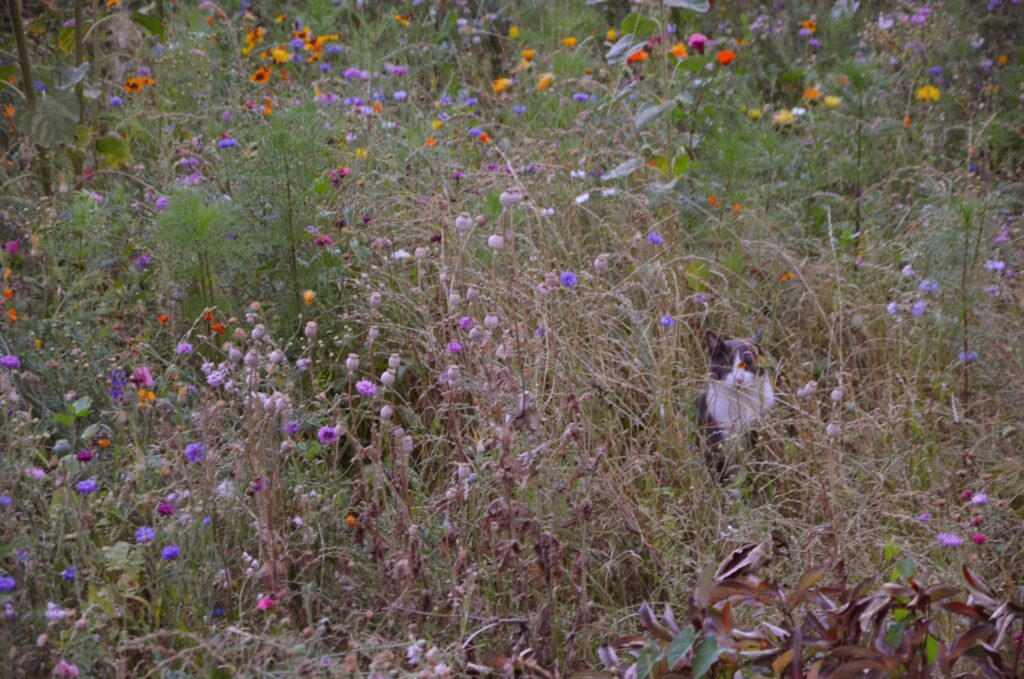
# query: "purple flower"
(968, 356)
(475, 131)
(454, 347)
(935, 72)
(227, 142)
(992, 290)
(581, 97)
(5, 500)
(568, 279)
(466, 322)
(12, 247)
(924, 517)
(979, 499)
(668, 321)
(366, 388)
(470, 101)
(116, 101)
(814, 44)
(918, 308)
(892, 308)
(949, 540)
(142, 262)
(446, 101)
(183, 348)
(995, 265)
(10, 361)
(145, 535)
(170, 552)
(327, 435)
(7, 584)
(400, 95)
(291, 427)
(928, 286)
(162, 203)
(87, 486)
(41, 86)
(324, 68)
(165, 508)
(518, 109)
(195, 452)
(654, 238)
(69, 573)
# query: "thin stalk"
(14, 8)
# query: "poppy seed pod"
(276, 357)
(375, 300)
(252, 359)
(476, 334)
(491, 321)
(472, 293)
(496, 242)
(234, 354)
(372, 333)
(511, 197)
(258, 333)
(463, 222)
(394, 360)
(421, 252)
(601, 263)
(386, 412)
(454, 299)
(310, 330)
(387, 378)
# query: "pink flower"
(699, 42)
(142, 378)
(266, 603)
(966, 495)
(12, 247)
(65, 669)
(979, 538)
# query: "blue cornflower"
(7, 584)
(195, 452)
(116, 101)
(654, 238)
(183, 348)
(118, 380)
(968, 356)
(580, 97)
(918, 308)
(145, 535)
(568, 279)
(668, 321)
(227, 142)
(87, 486)
(170, 552)
(69, 573)
(929, 286)
(519, 109)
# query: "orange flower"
(713, 200)
(12, 314)
(133, 85)
(403, 20)
(737, 209)
(103, 443)
(431, 142)
(350, 521)
(812, 94)
(545, 81)
(284, 75)
(261, 76)
(788, 276)
(637, 57)
(906, 122)
(679, 51)
(217, 328)
(725, 57)
(528, 55)
(501, 84)
(113, 3)
(8, 293)
(207, 315)
(9, 111)
(1002, 59)
(163, 319)
(484, 138)
(377, 107)
(809, 25)
(268, 108)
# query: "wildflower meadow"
(361, 338)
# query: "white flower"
(798, 111)
(582, 198)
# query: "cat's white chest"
(735, 410)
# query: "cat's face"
(735, 362)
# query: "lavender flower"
(979, 499)
(87, 486)
(69, 573)
(968, 356)
(668, 321)
(7, 584)
(366, 388)
(195, 452)
(145, 535)
(291, 427)
(170, 552)
(929, 286)
(950, 540)
(327, 435)
(183, 348)
(918, 308)
(10, 361)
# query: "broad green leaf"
(114, 150)
(696, 273)
(7, 70)
(66, 40)
(680, 646)
(321, 188)
(649, 657)
(650, 112)
(83, 136)
(890, 551)
(705, 656)
(903, 569)
(67, 78)
(639, 26)
(680, 165)
(692, 64)
(624, 169)
(64, 418)
(80, 408)
(150, 23)
(931, 649)
(91, 431)
(695, 5)
(51, 120)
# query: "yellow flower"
(569, 42)
(501, 84)
(832, 101)
(784, 117)
(280, 55)
(280, 18)
(255, 36)
(529, 54)
(928, 93)
(513, 32)
(308, 296)
(361, 153)
(1003, 59)
(545, 81)
(403, 20)
(113, 3)
(754, 113)
(612, 34)
(437, 125)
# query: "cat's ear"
(758, 336)
(712, 341)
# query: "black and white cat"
(738, 394)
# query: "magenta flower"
(699, 42)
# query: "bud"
(239, 334)
(832, 430)
(252, 359)
(491, 321)
(601, 263)
(375, 300)
(352, 363)
(372, 333)
(311, 329)
(453, 374)
(472, 293)
(837, 395)
(454, 299)
(463, 222)
(511, 197)
(234, 354)
(286, 446)
(807, 390)
(496, 242)
(394, 360)
(420, 252)
(258, 333)
(386, 412)
(276, 357)
(476, 334)
(387, 378)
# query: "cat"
(738, 394)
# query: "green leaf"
(692, 64)
(649, 657)
(623, 47)
(114, 150)
(51, 120)
(638, 25)
(8, 70)
(63, 418)
(91, 431)
(680, 165)
(66, 40)
(650, 112)
(701, 6)
(151, 24)
(623, 169)
(931, 649)
(705, 656)
(890, 551)
(80, 408)
(903, 569)
(679, 647)
(83, 136)
(321, 188)
(493, 204)
(67, 78)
